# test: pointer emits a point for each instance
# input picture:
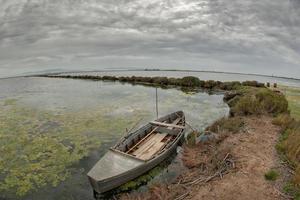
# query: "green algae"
(141, 180)
(38, 148)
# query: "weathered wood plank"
(142, 140)
(175, 122)
(147, 146)
(165, 124)
(151, 151)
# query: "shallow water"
(52, 131)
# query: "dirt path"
(255, 154)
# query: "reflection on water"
(52, 131)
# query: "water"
(52, 131)
(202, 75)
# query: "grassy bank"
(285, 109)
(289, 145)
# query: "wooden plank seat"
(151, 146)
(166, 124)
(153, 142)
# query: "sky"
(246, 36)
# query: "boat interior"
(153, 138)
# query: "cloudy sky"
(250, 36)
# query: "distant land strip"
(178, 70)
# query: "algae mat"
(52, 131)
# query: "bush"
(246, 105)
(232, 125)
(253, 84)
(190, 81)
(174, 81)
(110, 78)
(271, 175)
(272, 102)
(160, 80)
(210, 84)
(229, 85)
(258, 101)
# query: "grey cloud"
(231, 35)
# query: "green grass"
(271, 175)
(293, 96)
(289, 188)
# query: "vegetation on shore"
(256, 101)
(185, 82)
(289, 144)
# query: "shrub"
(272, 102)
(233, 125)
(253, 84)
(246, 105)
(160, 80)
(229, 85)
(110, 78)
(122, 79)
(190, 81)
(258, 101)
(271, 175)
(210, 84)
(174, 81)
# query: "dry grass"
(289, 143)
(284, 121)
(205, 162)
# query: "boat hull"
(104, 186)
(123, 168)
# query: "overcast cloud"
(226, 35)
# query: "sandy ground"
(255, 154)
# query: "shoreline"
(250, 111)
(153, 70)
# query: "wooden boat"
(137, 153)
